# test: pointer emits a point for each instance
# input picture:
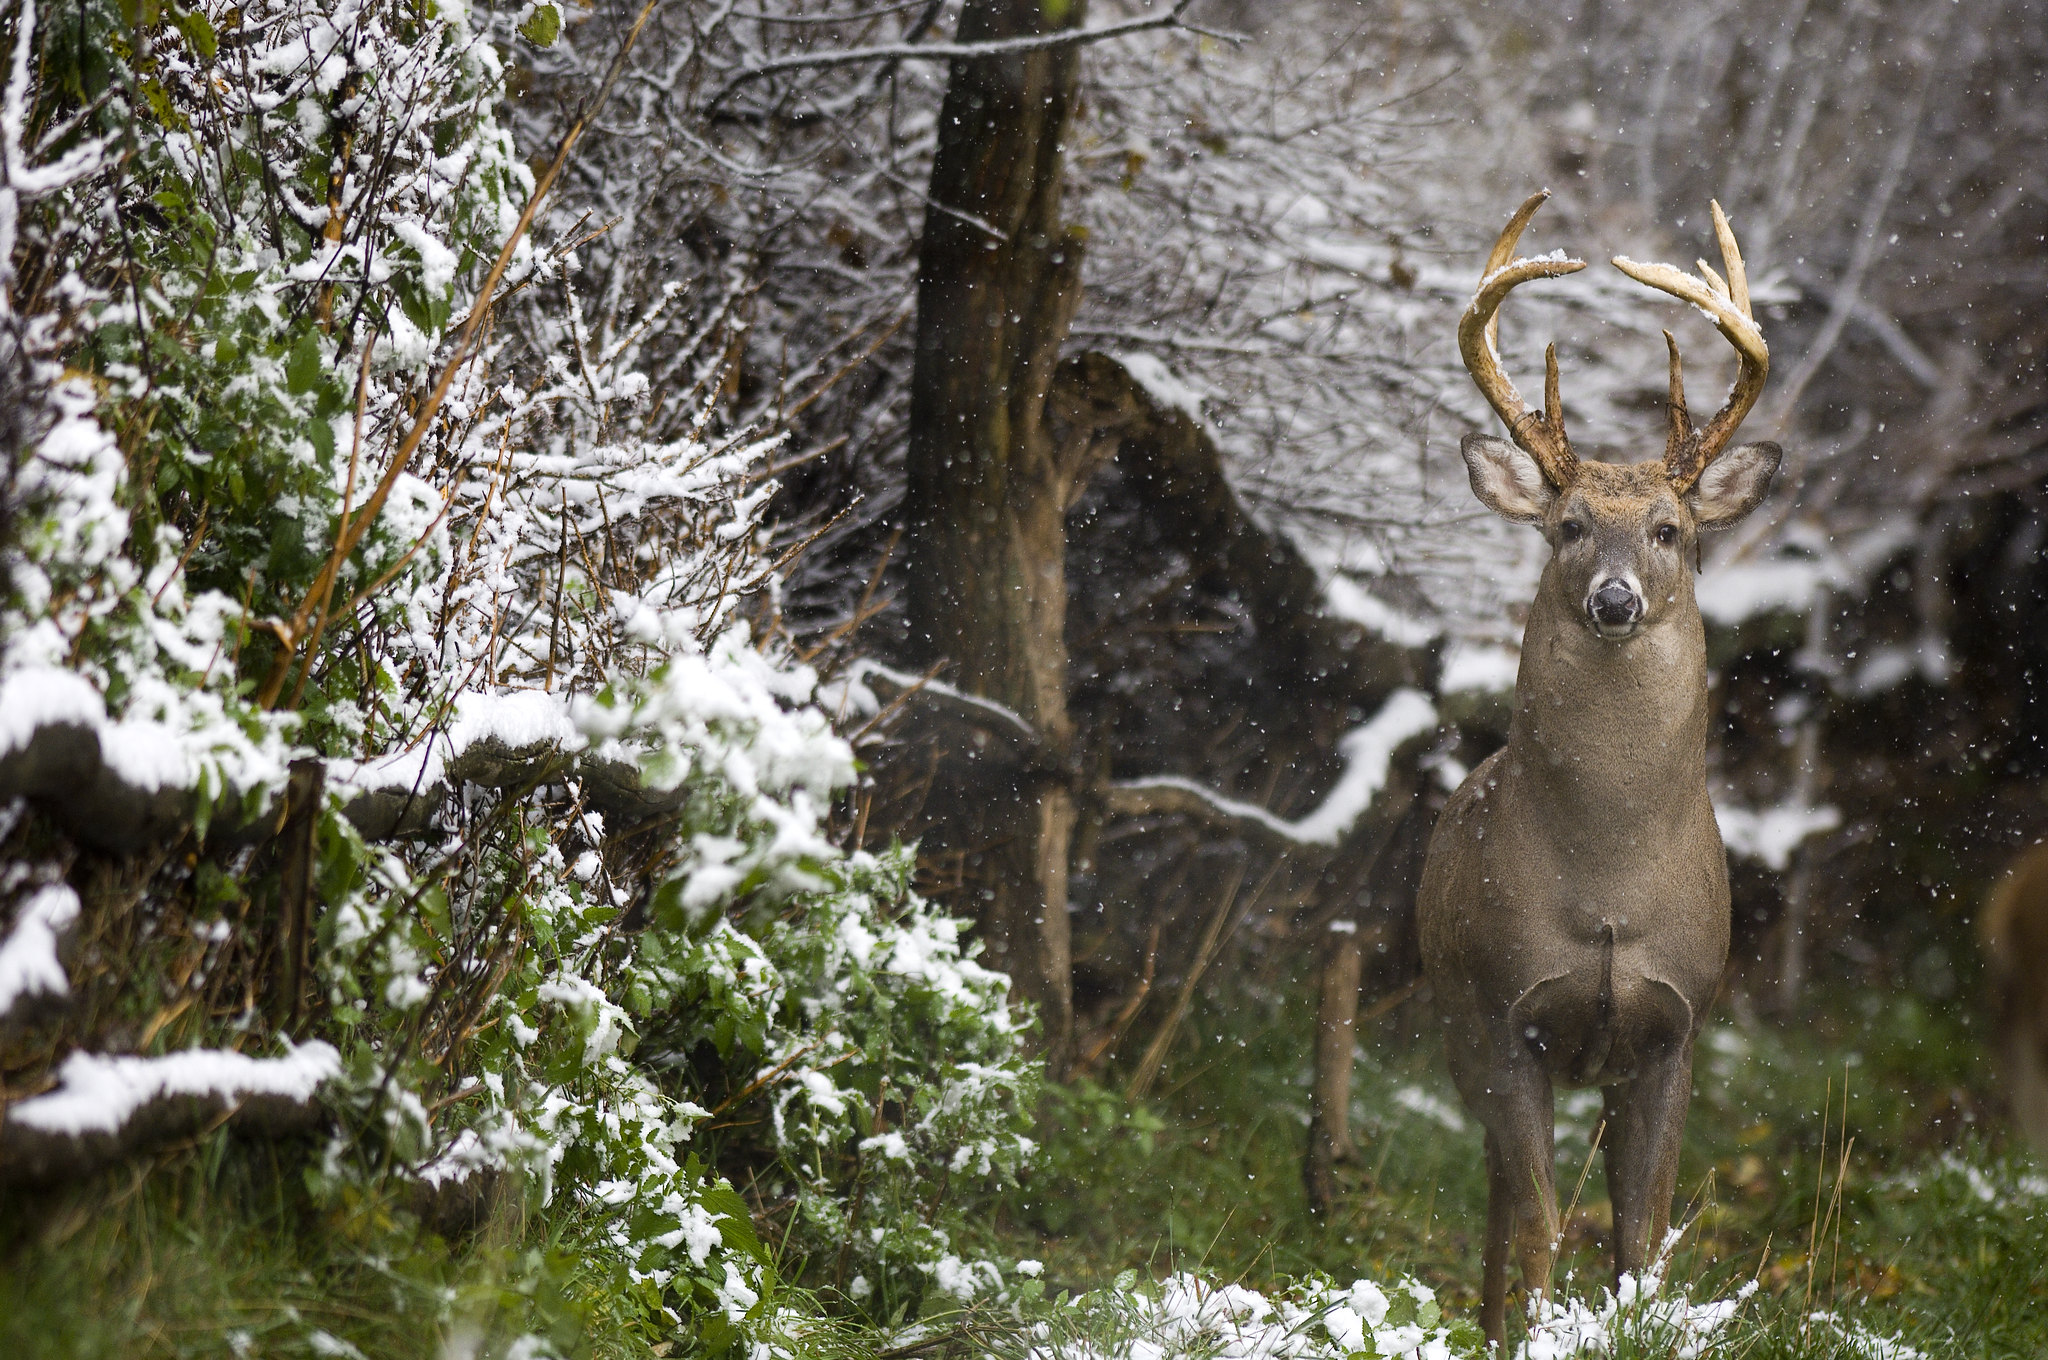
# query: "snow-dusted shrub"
(896, 1089)
(806, 998)
(478, 695)
(283, 191)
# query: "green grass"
(1207, 1178)
(1938, 1231)
(221, 1252)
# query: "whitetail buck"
(2016, 954)
(1574, 903)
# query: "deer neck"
(1611, 733)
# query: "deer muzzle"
(1615, 607)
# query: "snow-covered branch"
(106, 1106)
(910, 51)
(872, 690)
(1369, 752)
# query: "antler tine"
(1681, 419)
(1731, 260)
(1541, 434)
(1503, 253)
(1553, 399)
(1688, 450)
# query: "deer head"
(1620, 534)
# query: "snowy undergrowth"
(1188, 1316)
(612, 971)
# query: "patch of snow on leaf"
(1864, 1344)
(326, 1343)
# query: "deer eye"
(1569, 530)
(1667, 534)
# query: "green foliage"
(896, 1090)
(1096, 1138)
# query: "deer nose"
(1615, 604)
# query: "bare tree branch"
(856, 56)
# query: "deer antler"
(1542, 434)
(1688, 450)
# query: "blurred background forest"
(1047, 460)
(1279, 232)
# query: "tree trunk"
(988, 491)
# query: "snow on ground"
(1348, 600)
(1163, 385)
(1430, 1106)
(1797, 572)
(1184, 1315)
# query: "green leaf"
(736, 1227)
(321, 432)
(159, 101)
(303, 370)
(543, 26)
(199, 33)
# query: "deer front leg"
(1521, 1192)
(1645, 1128)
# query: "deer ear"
(1506, 480)
(1733, 485)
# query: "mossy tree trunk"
(988, 486)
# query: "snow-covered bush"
(467, 782)
(896, 1095)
